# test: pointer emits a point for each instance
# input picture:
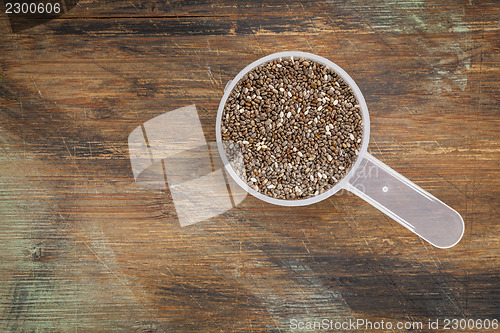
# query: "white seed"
(359, 140)
(289, 114)
(245, 142)
(320, 107)
(341, 167)
(337, 84)
(335, 102)
(351, 136)
(271, 186)
(278, 65)
(311, 177)
(282, 89)
(282, 114)
(300, 154)
(289, 94)
(253, 179)
(329, 157)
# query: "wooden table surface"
(83, 248)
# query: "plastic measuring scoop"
(368, 178)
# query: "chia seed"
(298, 125)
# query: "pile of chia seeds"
(298, 126)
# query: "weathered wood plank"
(83, 248)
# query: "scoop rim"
(364, 143)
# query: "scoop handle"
(406, 203)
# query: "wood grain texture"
(83, 248)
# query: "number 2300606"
(32, 8)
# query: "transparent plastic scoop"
(405, 202)
(369, 178)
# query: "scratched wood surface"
(83, 248)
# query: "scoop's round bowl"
(364, 114)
